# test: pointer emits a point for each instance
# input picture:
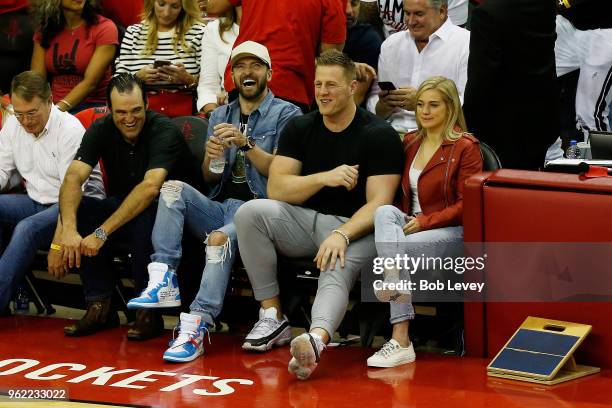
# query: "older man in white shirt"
(431, 46)
(39, 143)
(392, 14)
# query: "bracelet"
(191, 85)
(346, 238)
(56, 247)
(65, 102)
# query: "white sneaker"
(161, 291)
(268, 332)
(306, 350)
(392, 277)
(392, 354)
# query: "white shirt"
(413, 176)
(571, 46)
(392, 14)
(400, 62)
(458, 11)
(215, 55)
(42, 161)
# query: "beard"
(253, 92)
(350, 22)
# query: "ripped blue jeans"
(181, 205)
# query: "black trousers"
(96, 272)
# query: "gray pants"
(267, 226)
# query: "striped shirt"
(132, 59)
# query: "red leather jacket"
(441, 182)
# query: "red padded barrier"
(472, 216)
(524, 206)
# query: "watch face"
(249, 144)
(99, 233)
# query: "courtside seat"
(194, 131)
(371, 318)
(490, 160)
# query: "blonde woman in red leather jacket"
(440, 156)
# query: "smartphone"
(161, 63)
(386, 86)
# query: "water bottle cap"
(573, 142)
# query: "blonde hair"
(450, 96)
(189, 15)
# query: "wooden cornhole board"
(541, 351)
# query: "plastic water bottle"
(217, 165)
(572, 152)
(22, 301)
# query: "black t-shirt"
(368, 141)
(236, 187)
(160, 145)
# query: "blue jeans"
(32, 225)
(391, 241)
(182, 205)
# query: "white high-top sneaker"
(162, 290)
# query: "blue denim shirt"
(265, 126)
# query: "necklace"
(74, 29)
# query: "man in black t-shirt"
(138, 149)
(333, 168)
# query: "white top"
(215, 55)
(571, 46)
(458, 11)
(392, 14)
(400, 62)
(413, 176)
(42, 161)
(131, 58)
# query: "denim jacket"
(265, 126)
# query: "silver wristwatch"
(100, 234)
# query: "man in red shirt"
(294, 32)
(122, 12)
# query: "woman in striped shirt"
(164, 51)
